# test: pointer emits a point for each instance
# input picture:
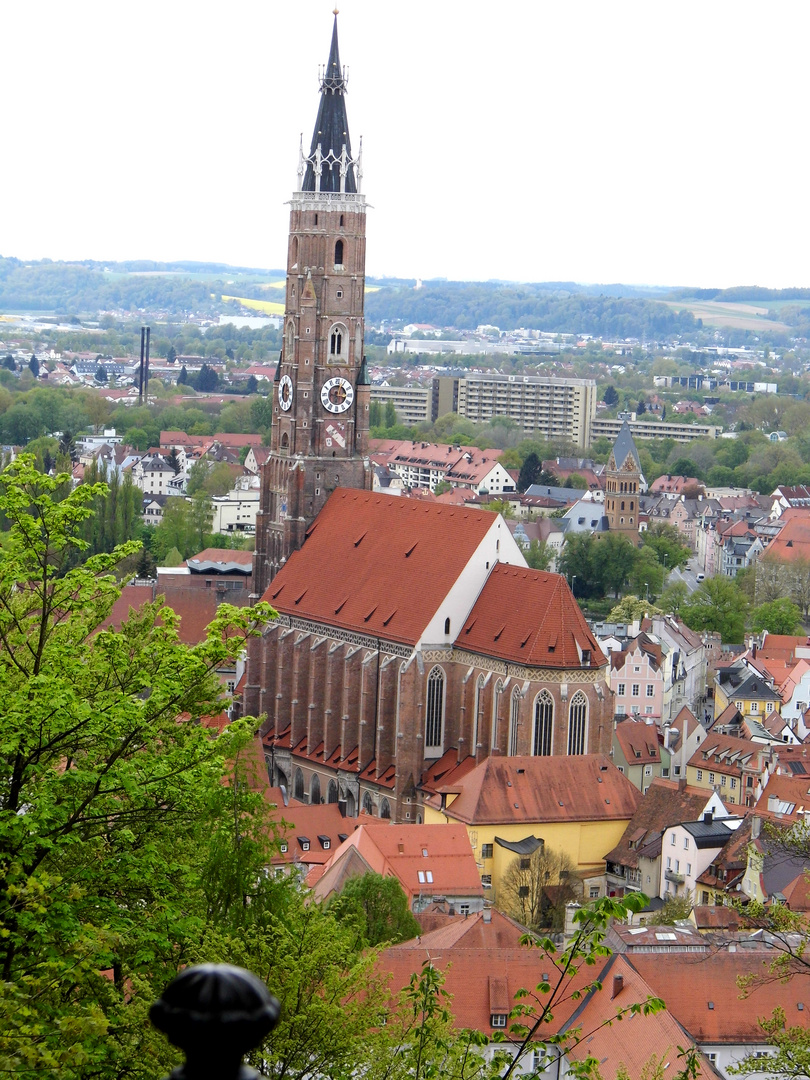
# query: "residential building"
(636, 752)
(424, 465)
(690, 847)
(653, 429)
(413, 404)
(433, 864)
(638, 674)
(633, 865)
(750, 693)
(736, 768)
(547, 407)
(510, 807)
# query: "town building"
(577, 805)
(434, 865)
(559, 409)
(424, 465)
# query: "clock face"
(337, 395)
(285, 392)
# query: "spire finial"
(335, 12)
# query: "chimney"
(618, 985)
(756, 826)
(486, 915)
(708, 817)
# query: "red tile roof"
(665, 803)
(406, 851)
(378, 564)
(638, 742)
(688, 984)
(318, 823)
(529, 617)
(515, 790)
(196, 608)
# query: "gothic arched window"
(368, 805)
(290, 338)
(514, 722)
(315, 789)
(434, 710)
(298, 785)
(332, 792)
(478, 712)
(496, 704)
(577, 723)
(385, 809)
(339, 253)
(543, 724)
(338, 343)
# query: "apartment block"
(552, 408)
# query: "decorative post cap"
(215, 1013)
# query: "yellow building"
(579, 804)
(748, 693)
(734, 768)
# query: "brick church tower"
(624, 482)
(319, 436)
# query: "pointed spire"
(331, 134)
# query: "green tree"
(667, 543)
(674, 597)
(719, 606)
(618, 556)
(107, 800)
(207, 380)
(182, 378)
(171, 354)
(631, 608)
(101, 374)
(575, 480)
(8, 362)
(535, 888)
(780, 616)
(33, 365)
(540, 555)
(252, 385)
(610, 396)
(390, 414)
(380, 907)
(529, 472)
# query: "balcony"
(674, 876)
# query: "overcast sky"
(652, 142)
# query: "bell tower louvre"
(319, 434)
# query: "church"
(411, 636)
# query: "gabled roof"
(538, 790)
(665, 803)
(703, 994)
(638, 742)
(730, 755)
(489, 929)
(378, 564)
(426, 859)
(321, 823)
(633, 1043)
(529, 617)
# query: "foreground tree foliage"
(123, 855)
(379, 907)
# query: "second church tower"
(319, 437)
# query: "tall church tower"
(319, 437)
(624, 482)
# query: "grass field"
(267, 307)
(746, 316)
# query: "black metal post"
(140, 368)
(146, 368)
(215, 1013)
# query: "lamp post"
(646, 591)
(573, 579)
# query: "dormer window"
(283, 847)
(498, 1020)
(304, 842)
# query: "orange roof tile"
(665, 803)
(688, 984)
(408, 851)
(638, 741)
(512, 790)
(378, 564)
(529, 617)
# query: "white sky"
(656, 142)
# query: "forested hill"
(466, 305)
(83, 288)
